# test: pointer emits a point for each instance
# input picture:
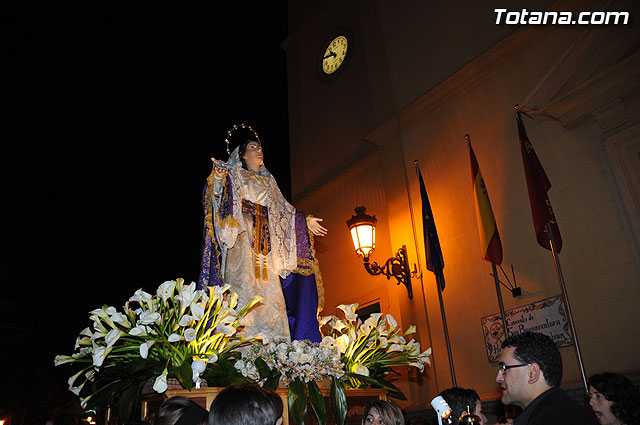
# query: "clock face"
(334, 54)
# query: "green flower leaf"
(184, 374)
(338, 401)
(128, 402)
(263, 368)
(317, 402)
(297, 401)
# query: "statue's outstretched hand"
(219, 171)
(315, 226)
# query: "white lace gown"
(235, 233)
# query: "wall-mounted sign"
(547, 316)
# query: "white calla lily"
(189, 334)
(144, 348)
(99, 354)
(165, 290)
(185, 320)
(112, 337)
(175, 337)
(60, 359)
(148, 317)
(160, 385)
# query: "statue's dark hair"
(534, 347)
(245, 405)
(622, 392)
(458, 399)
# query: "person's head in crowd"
(460, 399)
(380, 412)
(246, 405)
(180, 411)
(530, 364)
(614, 399)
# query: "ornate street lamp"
(363, 232)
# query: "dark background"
(110, 114)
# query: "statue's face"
(253, 156)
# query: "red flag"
(538, 185)
(488, 230)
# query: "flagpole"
(439, 278)
(499, 292)
(439, 285)
(565, 298)
(475, 170)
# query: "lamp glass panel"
(364, 239)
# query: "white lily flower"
(339, 325)
(141, 297)
(121, 319)
(326, 319)
(72, 380)
(98, 326)
(138, 331)
(160, 384)
(165, 291)
(411, 330)
(189, 334)
(218, 291)
(383, 342)
(185, 320)
(187, 295)
(392, 322)
(76, 390)
(144, 348)
(99, 354)
(61, 359)
(342, 343)
(110, 311)
(262, 337)
(175, 337)
(233, 300)
(361, 370)
(394, 347)
(112, 337)
(213, 357)
(148, 317)
(197, 311)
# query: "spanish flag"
(489, 237)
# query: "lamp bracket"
(396, 266)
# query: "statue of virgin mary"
(256, 241)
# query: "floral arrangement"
(192, 335)
(371, 349)
(353, 355)
(179, 332)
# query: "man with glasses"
(530, 373)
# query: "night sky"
(110, 114)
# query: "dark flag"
(435, 262)
(538, 185)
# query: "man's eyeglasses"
(504, 368)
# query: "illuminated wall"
(355, 137)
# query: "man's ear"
(279, 421)
(535, 374)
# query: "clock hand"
(329, 55)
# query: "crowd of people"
(529, 373)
